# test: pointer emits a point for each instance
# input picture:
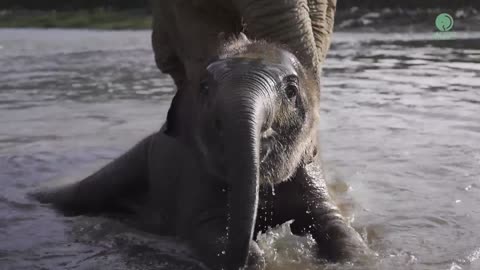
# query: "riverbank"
(352, 19)
(96, 19)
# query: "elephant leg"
(318, 215)
(166, 57)
(105, 190)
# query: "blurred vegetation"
(74, 4)
(98, 18)
(127, 14)
(100, 14)
(407, 4)
(144, 4)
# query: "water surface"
(400, 131)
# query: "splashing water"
(284, 250)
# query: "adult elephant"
(186, 35)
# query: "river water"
(400, 132)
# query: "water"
(400, 133)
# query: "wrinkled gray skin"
(254, 120)
(185, 32)
(185, 36)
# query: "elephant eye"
(291, 87)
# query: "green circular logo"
(444, 22)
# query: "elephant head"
(255, 122)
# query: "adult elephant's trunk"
(241, 127)
(305, 26)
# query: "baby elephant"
(236, 167)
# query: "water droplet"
(467, 188)
(455, 266)
(223, 252)
(458, 201)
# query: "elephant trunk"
(285, 22)
(243, 122)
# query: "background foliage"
(143, 4)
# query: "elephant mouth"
(266, 144)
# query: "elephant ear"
(322, 15)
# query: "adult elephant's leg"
(198, 26)
(318, 215)
(167, 59)
(186, 35)
(166, 56)
(106, 189)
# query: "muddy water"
(400, 132)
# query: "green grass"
(97, 19)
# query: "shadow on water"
(400, 131)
